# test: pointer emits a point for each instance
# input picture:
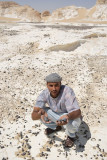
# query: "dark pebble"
(81, 146)
(66, 154)
(1, 147)
(1, 127)
(35, 133)
(56, 145)
(101, 155)
(42, 154)
(51, 142)
(98, 145)
(81, 156)
(23, 154)
(48, 149)
(19, 147)
(21, 135)
(29, 147)
(26, 140)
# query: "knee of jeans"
(76, 123)
(46, 109)
(49, 111)
(73, 125)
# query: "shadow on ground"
(82, 137)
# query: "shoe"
(49, 131)
(69, 142)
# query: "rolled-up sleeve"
(41, 100)
(71, 102)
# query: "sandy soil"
(6, 19)
(29, 52)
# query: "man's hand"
(61, 121)
(37, 112)
(45, 118)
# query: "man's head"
(53, 84)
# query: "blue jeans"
(70, 128)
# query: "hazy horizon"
(43, 5)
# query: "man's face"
(54, 88)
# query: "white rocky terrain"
(30, 51)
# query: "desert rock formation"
(22, 13)
(8, 4)
(73, 13)
(66, 14)
(101, 1)
(45, 14)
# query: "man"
(62, 110)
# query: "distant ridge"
(101, 2)
(67, 14)
(6, 4)
(21, 13)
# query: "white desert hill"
(20, 13)
(73, 13)
(13, 11)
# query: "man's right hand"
(41, 112)
(45, 118)
(37, 112)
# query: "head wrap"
(53, 77)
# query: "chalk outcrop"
(66, 14)
(100, 12)
(72, 13)
(22, 13)
(101, 2)
(45, 14)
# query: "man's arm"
(75, 114)
(40, 103)
(37, 112)
(70, 116)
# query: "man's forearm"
(37, 112)
(74, 114)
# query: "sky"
(50, 5)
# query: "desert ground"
(29, 52)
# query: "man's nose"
(54, 88)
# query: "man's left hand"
(61, 122)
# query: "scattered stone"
(48, 149)
(23, 154)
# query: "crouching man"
(62, 110)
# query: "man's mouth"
(54, 91)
